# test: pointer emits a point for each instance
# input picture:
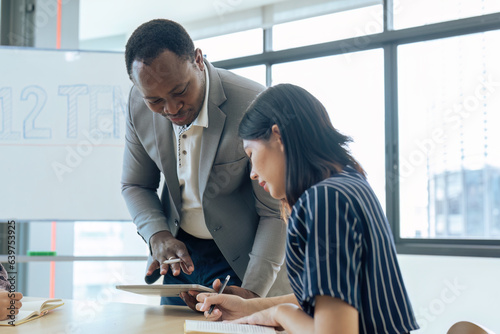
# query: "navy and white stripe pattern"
(340, 244)
(4, 284)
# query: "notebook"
(217, 327)
(31, 310)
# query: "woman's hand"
(265, 317)
(227, 307)
(189, 297)
(10, 303)
(331, 315)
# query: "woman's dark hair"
(153, 37)
(314, 149)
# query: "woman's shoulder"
(347, 190)
(322, 192)
(345, 183)
(348, 186)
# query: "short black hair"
(153, 37)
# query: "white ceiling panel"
(102, 18)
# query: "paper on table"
(215, 327)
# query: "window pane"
(108, 239)
(228, 46)
(331, 27)
(449, 137)
(412, 13)
(255, 73)
(87, 238)
(92, 280)
(351, 88)
(96, 282)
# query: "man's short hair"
(150, 39)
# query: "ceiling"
(104, 18)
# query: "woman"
(341, 258)
(7, 299)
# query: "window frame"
(389, 40)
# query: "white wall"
(444, 290)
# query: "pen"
(220, 291)
(171, 261)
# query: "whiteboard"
(62, 134)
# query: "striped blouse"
(340, 244)
(4, 284)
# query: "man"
(182, 121)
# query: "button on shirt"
(188, 149)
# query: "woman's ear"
(276, 130)
(276, 133)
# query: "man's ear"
(198, 59)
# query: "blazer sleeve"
(266, 248)
(140, 181)
(268, 251)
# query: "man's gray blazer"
(242, 218)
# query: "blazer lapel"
(212, 134)
(166, 151)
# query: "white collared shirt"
(188, 139)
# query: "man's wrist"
(249, 294)
(160, 235)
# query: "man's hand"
(164, 247)
(10, 303)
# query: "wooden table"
(81, 317)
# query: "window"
(411, 13)
(437, 169)
(92, 258)
(335, 81)
(224, 47)
(255, 73)
(332, 27)
(449, 137)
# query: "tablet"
(166, 290)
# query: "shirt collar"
(202, 119)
